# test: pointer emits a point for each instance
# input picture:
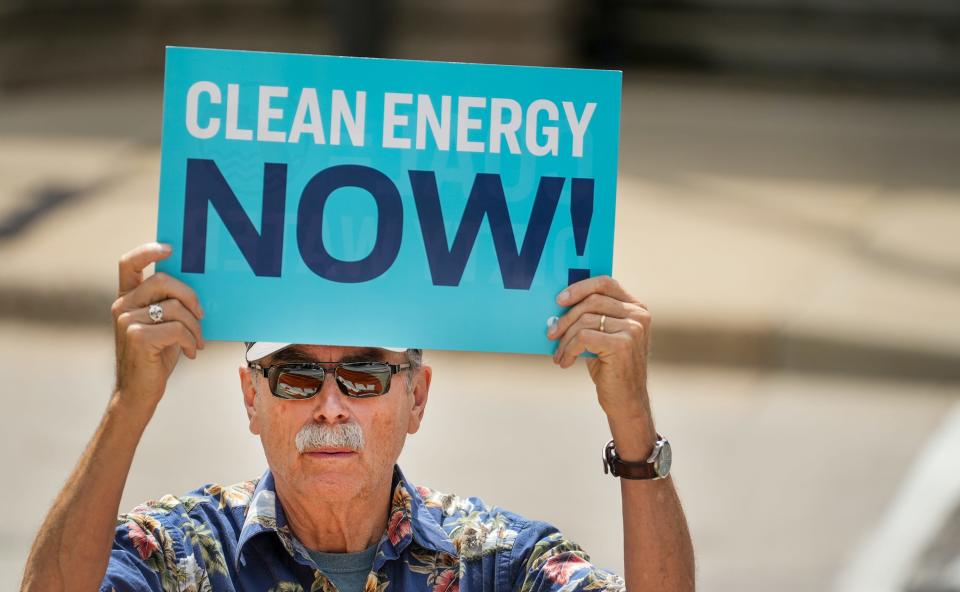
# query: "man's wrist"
(130, 409)
(634, 437)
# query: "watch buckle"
(656, 450)
(608, 460)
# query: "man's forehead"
(332, 353)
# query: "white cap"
(261, 349)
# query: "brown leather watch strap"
(627, 469)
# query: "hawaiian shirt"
(237, 538)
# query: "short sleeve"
(552, 563)
(142, 556)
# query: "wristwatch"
(657, 465)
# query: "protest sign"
(354, 201)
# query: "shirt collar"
(408, 512)
(408, 520)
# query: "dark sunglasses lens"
(364, 379)
(298, 384)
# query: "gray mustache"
(321, 435)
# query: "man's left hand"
(620, 369)
(658, 553)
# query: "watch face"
(664, 460)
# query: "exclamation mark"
(581, 213)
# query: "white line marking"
(927, 497)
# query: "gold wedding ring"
(603, 319)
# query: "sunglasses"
(304, 380)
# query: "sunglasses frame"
(322, 366)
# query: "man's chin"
(331, 476)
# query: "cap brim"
(261, 349)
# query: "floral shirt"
(237, 538)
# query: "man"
(333, 511)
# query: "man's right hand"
(72, 548)
(147, 352)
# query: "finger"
(578, 344)
(595, 303)
(587, 321)
(134, 262)
(599, 343)
(161, 336)
(161, 286)
(602, 284)
(173, 310)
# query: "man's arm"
(658, 552)
(73, 546)
(72, 549)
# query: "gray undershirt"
(347, 571)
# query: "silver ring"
(156, 313)
(603, 319)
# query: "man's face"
(384, 421)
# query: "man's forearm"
(658, 552)
(72, 549)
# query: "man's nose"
(330, 404)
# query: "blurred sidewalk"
(765, 228)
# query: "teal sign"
(354, 201)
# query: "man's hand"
(620, 369)
(147, 352)
(72, 548)
(657, 551)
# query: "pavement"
(798, 251)
(915, 550)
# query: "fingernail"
(562, 297)
(165, 247)
(552, 325)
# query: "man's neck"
(337, 526)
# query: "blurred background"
(788, 207)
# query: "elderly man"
(333, 512)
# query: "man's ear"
(249, 389)
(418, 394)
